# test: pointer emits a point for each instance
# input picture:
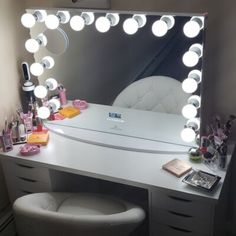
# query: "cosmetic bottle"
(62, 95)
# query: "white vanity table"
(174, 207)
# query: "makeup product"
(81, 104)
(6, 141)
(69, 112)
(22, 133)
(28, 121)
(62, 95)
(29, 149)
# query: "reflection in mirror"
(58, 41)
(150, 61)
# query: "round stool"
(74, 214)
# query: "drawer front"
(180, 203)
(28, 171)
(182, 221)
(167, 230)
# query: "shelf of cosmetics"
(16, 131)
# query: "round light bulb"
(48, 62)
(32, 45)
(52, 22)
(28, 20)
(130, 26)
(188, 135)
(189, 111)
(190, 58)
(40, 92)
(77, 23)
(54, 104)
(159, 28)
(102, 24)
(36, 69)
(43, 112)
(189, 85)
(51, 83)
(191, 29)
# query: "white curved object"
(154, 93)
(75, 214)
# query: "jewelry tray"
(202, 180)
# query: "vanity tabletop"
(123, 166)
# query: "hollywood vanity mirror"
(145, 69)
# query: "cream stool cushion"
(75, 214)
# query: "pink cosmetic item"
(6, 142)
(62, 95)
(81, 104)
(29, 149)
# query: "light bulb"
(28, 20)
(48, 62)
(51, 84)
(130, 26)
(52, 22)
(36, 69)
(190, 58)
(40, 92)
(189, 111)
(194, 123)
(77, 23)
(189, 85)
(54, 104)
(88, 17)
(102, 24)
(188, 135)
(43, 112)
(159, 28)
(192, 28)
(32, 45)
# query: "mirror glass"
(140, 72)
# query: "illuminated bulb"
(54, 104)
(36, 69)
(51, 84)
(191, 57)
(188, 135)
(77, 23)
(43, 112)
(32, 45)
(189, 111)
(52, 22)
(192, 28)
(102, 24)
(189, 85)
(40, 92)
(28, 20)
(131, 25)
(159, 28)
(48, 62)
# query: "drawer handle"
(179, 229)
(180, 214)
(25, 166)
(26, 179)
(27, 192)
(179, 199)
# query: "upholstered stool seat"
(70, 214)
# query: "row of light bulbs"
(131, 26)
(103, 23)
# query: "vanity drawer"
(168, 230)
(31, 186)
(27, 171)
(180, 203)
(186, 222)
